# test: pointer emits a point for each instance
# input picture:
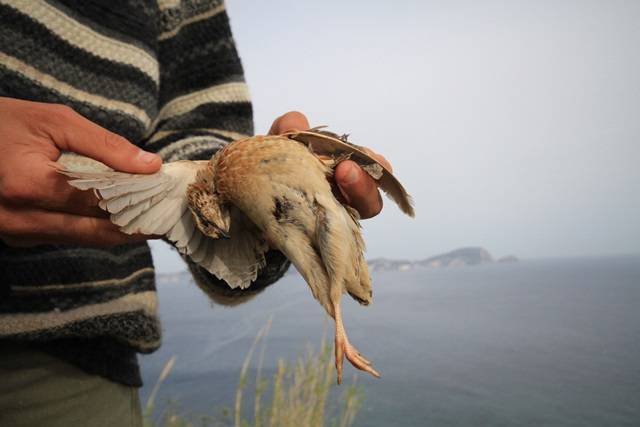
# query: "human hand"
(359, 190)
(37, 206)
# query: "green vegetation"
(299, 394)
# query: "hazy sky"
(515, 125)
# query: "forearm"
(204, 104)
(203, 101)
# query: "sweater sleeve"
(203, 99)
(203, 104)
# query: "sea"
(546, 342)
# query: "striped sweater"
(164, 74)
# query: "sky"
(515, 125)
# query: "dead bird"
(254, 194)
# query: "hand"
(37, 206)
(359, 190)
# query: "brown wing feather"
(324, 142)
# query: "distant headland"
(456, 258)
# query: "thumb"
(76, 134)
(289, 121)
(358, 188)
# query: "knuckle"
(63, 110)
(47, 119)
(114, 141)
(59, 112)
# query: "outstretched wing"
(157, 204)
(324, 142)
(146, 204)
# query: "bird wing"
(328, 143)
(157, 204)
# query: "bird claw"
(344, 348)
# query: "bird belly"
(283, 189)
(263, 176)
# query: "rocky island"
(456, 258)
(459, 257)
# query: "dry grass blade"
(243, 372)
(299, 394)
(166, 370)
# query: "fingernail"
(352, 176)
(146, 157)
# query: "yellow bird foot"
(344, 348)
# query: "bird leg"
(344, 348)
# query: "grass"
(298, 394)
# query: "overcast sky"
(515, 125)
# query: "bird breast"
(267, 176)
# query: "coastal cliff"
(468, 256)
(456, 258)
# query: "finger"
(358, 188)
(65, 198)
(73, 201)
(293, 120)
(21, 242)
(72, 132)
(43, 187)
(32, 226)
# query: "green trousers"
(40, 390)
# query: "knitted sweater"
(165, 75)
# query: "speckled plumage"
(256, 193)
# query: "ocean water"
(533, 343)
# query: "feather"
(199, 251)
(118, 203)
(239, 258)
(327, 143)
(194, 243)
(181, 232)
(157, 204)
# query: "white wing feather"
(157, 204)
(239, 258)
